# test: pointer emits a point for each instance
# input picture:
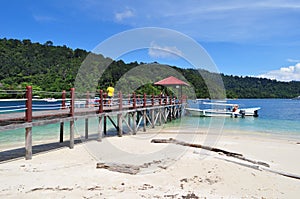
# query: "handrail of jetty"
(140, 110)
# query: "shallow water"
(277, 116)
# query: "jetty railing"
(131, 110)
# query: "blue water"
(276, 116)
(20, 106)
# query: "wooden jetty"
(131, 111)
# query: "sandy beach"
(162, 170)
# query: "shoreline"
(37, 139)
(172, 171)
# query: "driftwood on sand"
(122, 168)
(128, 168)
(217, 150)
(257, 164)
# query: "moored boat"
(223, 110)
(296, 98)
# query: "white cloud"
(289, 73)
(293, 60)
(43, 18)
(120, 16)
(157, 51)
(228, 21)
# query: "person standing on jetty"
(110, 93)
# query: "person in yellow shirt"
(110, 93)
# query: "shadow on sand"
(19, 153)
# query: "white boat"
(223, 110)
(296, 98)
(77, 104)
(50, 100)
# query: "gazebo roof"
(171, 81)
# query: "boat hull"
(222, 113)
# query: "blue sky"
(248, 38)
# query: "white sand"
(174, 172)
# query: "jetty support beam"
(72, 112)
(28, 118)
(120, 127)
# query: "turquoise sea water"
(277, 116)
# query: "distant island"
(54, 68)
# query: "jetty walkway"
(132, 112)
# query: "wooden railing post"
(28, 113)
(171, 108)
(152, 100)
(160, 99)
(120, 101)
(145, 100)
(105, 98)
(134, 122)
(134, 101)
(72, 112)
(101, 102)
(28, 118)
(72, 103)
(120, 130)
(63, 99)
(166, 99)
(87, 99)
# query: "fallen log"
(128, 168)
(217, 150)
(231, 154)
(122, 168)
(290, 175)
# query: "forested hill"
(54, 68)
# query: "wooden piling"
(61, 132)
(28, 118)
(152, 112)
(144, 113)
(134, 128)
(134, 115)
(159, 110)
(28, 143)
(102, 117)
(72, 111)
(86, 128)
(104, 124)
(99, 139)
(119, 116)
(63, 106)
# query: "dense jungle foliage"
(55, 68)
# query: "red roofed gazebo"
(172, 81)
